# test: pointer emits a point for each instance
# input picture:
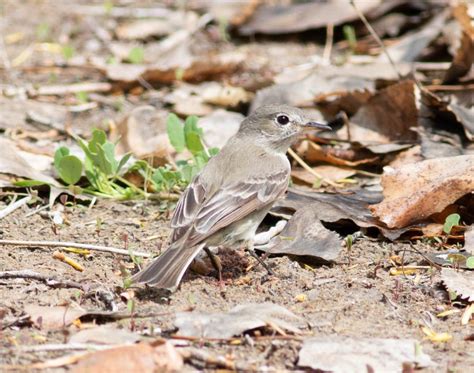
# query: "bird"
(228, 199)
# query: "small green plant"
(184, 136)
(68, 51)
(102, 170)
(82, 97)
(69, 167)
(350, 36)
(450, 222)
(470, 262)
(136, 55)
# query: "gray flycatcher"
(228, 199)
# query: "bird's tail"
(166, 271)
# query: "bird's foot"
(252, 253)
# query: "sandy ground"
(359, 299)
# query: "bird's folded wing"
(199, 216)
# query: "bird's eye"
(282, 119)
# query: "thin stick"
(106, 249)
(58, 347)
(329, 42)
(49, 280)
(375, 36)
(13, 206)
(303, 164)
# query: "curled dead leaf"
(159, 357)
(416, 191)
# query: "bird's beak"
(316, 125)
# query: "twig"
(375, 36)
(49, 280)
(303, 164)
(329, 42)
(56, 347)
(164, 196)
(3, 52)
(106, 249)
(435, 87)
(13, 206)
(348, 125)
(71, 88)
(190, 354)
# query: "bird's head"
(278, 126)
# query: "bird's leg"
(216, 263)
(252, 253)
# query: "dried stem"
(106, 249)
(375, 36)
(303, 164)
(32, 275)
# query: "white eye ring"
(282, 119)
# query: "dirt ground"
(359, 299)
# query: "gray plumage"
(228, 199)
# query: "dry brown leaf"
(332, 173)
(138, 358)
(238, 320)
(20, 114)
(145, 28)
(305, 235)
(410, 46)
(337, 209)
(199, 96)
(22, 164)
(343, 354)
(281, 19)
(187, 68)
(416, 191)
(101, 335)
(338, 157)
(464, 54)
(143, 132)
(220, 126)
(387, 116)
(53, 317)
(461, 282)
(464, 115)
(411, 155)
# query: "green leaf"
(213, 151)
(188, 172)
(105, 161)
(29, 183)
(175, 130)
(450, 222)
(59, 154)
(201, 160)
(122, 162)
(193, 135)
(190, 125)
(136, 55)
(82, 97)
(193, 143)
(98, 138)
(70, 169)
(470, 262)
(350, 35)
(67, 51)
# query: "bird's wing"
(198, 215)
